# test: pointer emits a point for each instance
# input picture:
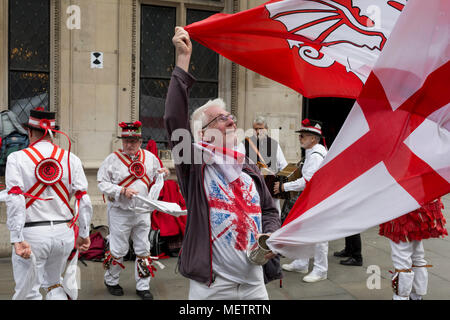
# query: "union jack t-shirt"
(235, 215)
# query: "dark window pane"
(204, 66)
(152, 99)
(157, 62)
(157, 51)
(29, 55)
(201, 92)
(29, 38)
(204, 62)
(27, 90)
(156, 65)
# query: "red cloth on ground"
(423, 223)
(168, 225)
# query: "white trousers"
(124, 224)
(223, 289)
(404, 256)
(51, 245)
(320, 260)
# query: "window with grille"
(157, 60)
(29, 56)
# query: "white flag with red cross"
(393, 152)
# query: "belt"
(44, 223)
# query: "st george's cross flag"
(392, 154)
(320, 48)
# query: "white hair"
(199, 118)
(260, 120)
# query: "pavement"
(369, 282)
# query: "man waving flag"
(317, 47)
(393, 153)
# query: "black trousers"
(353, 246)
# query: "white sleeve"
(311, 166)
(281, 160)
(296, 185)
(15, 203)
(79, 183)
(105, 184)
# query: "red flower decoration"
(137, 124)
(123, 125)
(306, 122)
(44, 123)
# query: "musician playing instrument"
(310, 134)
(264, 151)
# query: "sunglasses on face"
(221, 118)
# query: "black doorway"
(332, 112)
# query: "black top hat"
(40, 120)
(311, 126)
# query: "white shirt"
(20, 172)
(281, 160)
(313, 158)
(113, 171)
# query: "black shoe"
(341, 254)
(144, 294)
(114, 290)
(351, 262)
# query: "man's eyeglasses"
(221, 118)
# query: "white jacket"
(313, 158)
(20, 172)
(113, 171)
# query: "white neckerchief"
(228, 162)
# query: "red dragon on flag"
(316, 47)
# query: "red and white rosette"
(48, 171)
(137, 169)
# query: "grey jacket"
(195, 260)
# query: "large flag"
(316, 47)
(393, 153)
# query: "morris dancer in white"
(122, 175)
(38, 225)
(310, 134)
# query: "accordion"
(290, 173)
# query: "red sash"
(135, 168)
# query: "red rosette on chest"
(137, 169)
(48, 171)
